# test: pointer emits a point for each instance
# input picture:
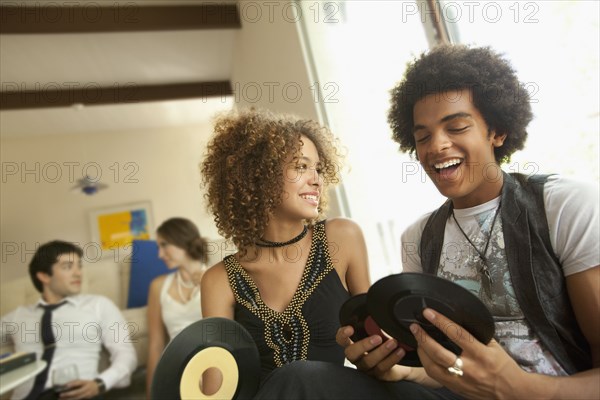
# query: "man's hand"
(488, 371)
(80, 389)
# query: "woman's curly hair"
(243, 169)
(497, 93)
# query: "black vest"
(535, 271)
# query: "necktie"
(49, 346)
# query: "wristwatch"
(101, 385)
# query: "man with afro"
(527, 246)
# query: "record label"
(218, 343)
(211, 357)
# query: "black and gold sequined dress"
(306, 329)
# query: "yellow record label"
(211, 357)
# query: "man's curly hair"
(243, 169)
(497, 93)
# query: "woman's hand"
(80, 389)
(372, 357)
(488, 371)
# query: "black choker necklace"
(268, 243)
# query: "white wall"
(269, 71)
(269, 68)
(39, 206)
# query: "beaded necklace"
(188, 285)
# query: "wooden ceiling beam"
(17, 18)
(93, 94)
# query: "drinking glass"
(63, 375)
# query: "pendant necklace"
(485, 268)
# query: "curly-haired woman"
(266, 178)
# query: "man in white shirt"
(79, 326)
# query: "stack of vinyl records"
(11, 361)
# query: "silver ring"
(456, 368)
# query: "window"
(553, 45)
(359, 51)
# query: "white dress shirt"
(81, 327)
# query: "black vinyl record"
(212, 342)
(397, 301)
(354, 313)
